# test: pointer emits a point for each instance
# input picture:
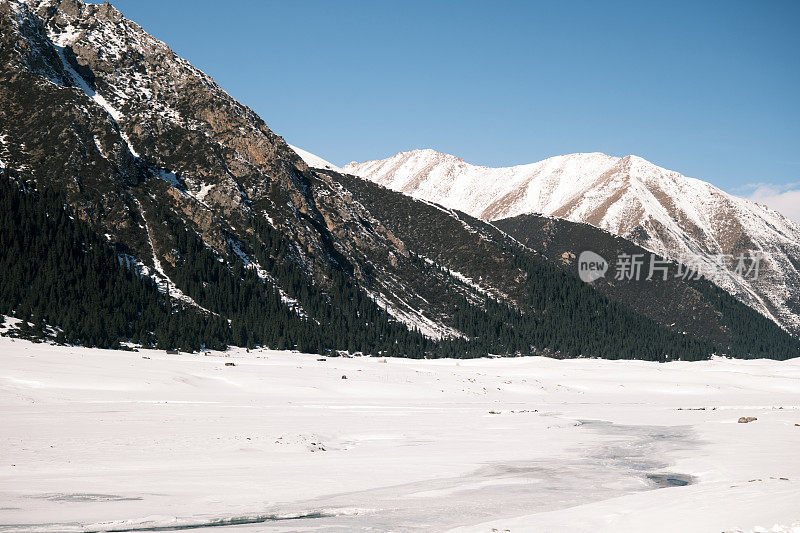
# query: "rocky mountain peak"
(682, 218)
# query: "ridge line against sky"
(706, 90)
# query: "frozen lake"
(95, 440)
(624, 463)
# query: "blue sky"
(710, 89)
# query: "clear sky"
(710, 89)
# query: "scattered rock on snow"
(747, 419)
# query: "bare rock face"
(150, 115)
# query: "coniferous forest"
(67, 282)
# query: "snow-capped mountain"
(682, 218)
(120, 156)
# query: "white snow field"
(96, 440)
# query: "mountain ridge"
(682, 218)
(164, 170)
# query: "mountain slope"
(449, 239)
(681, 218)
(186, 186)
(154, 155)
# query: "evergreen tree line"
(56, 270)
(755, 336)
(335, 316)
(563, 317)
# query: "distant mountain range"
(681, 218)
(142, 203)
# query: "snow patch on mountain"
(252, 264)
(2, 150)
(61, 41)
(163, 281)
(493, 293)
(413, 318)
(314, 161)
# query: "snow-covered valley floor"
(94, 440)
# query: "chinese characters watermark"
(634, 267)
